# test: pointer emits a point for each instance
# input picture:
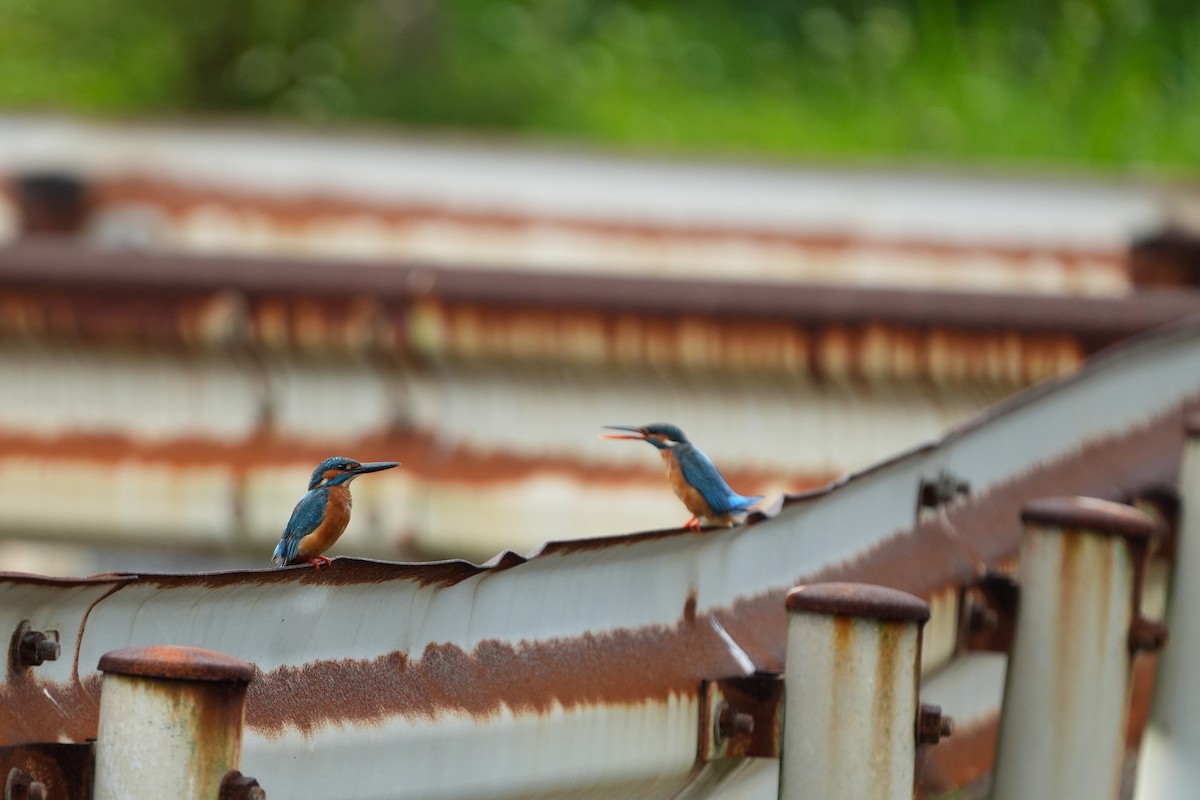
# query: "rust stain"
(169, 319)
(885, 703)
(329, 324)
(335, 305)
(295, 213)
(525, 678)
(218, 709)
(1104, 579)
(32, 710)
(423, 458)
(472, 331)
(1071, 545)
(843, 662)
(689, 608)
(1143, 671)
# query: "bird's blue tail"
(277, 557)
(743, 503)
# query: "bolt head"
(35, 648)
(932, 725)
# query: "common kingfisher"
(323, 513)
(693, 476)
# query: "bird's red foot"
(318, 561)
(692, 524)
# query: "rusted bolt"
(37, 648)
(731, 723)
(932, 725)
(32, 648)
(1146, 635)
(236, 786)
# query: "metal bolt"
(30, 648)
(236, 786)
(1147, 635)
(932, 725)
(732, 723)
(36, 648)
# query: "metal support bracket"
(741, 717)
(47, 770)
(988, 615)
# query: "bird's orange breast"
(691, 498)
(333, 524)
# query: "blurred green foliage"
(1076, 82)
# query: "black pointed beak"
(631, 428)
(374, 466)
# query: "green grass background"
(1108, 85)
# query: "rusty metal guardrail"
(586, 665)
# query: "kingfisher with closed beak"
(323, 513)
(693, 476)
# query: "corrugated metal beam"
(1101, 320)
(383, 669)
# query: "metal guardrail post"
(850, 692)
(1066, 695)
(170, 722)
(1169, 761)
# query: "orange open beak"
(635, 430)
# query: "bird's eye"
(347, 467)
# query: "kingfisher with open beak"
(693, 476)
(323, 513)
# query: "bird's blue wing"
(306, 516)
(701, 473)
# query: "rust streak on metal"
(293, 213)
(888, 666)
(219, 709)
(32, 710)
(689, 608)
(587, 670)
(422, 458)
(1095, 322)
(1141, 696)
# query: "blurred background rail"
(192, 317)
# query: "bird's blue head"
(339, 471)
(660, 434)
